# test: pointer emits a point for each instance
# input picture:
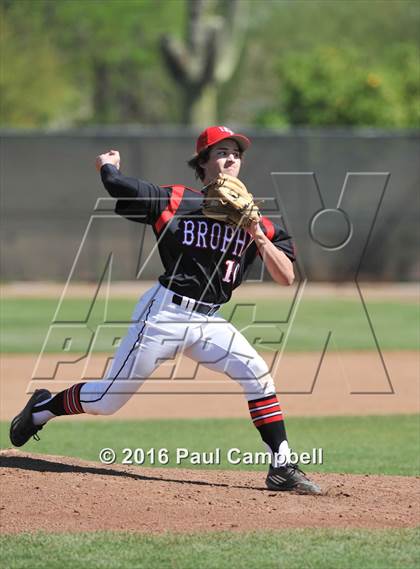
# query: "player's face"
(225, 158)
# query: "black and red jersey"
(203, 258)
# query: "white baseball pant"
(161, 329)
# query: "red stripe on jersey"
(168, 213)
(259, 403)
(269, 227)
(275, 419)
(186, 187)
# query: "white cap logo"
(226, 129)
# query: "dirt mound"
(61, 494)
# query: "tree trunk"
(207, 58)
(201, 106)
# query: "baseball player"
(205, 254)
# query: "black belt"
(196, 306)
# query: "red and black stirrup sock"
(66, 402)
(268, 418)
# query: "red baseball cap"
(214, 134)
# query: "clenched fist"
(110, 157)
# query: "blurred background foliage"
(69, 63)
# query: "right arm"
(136, 198)
(118, 186)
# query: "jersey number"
(231, 271)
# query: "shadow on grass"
(43, 465)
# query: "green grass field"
(293, 549)
(376, 445)
(25, 323)
(364, 445)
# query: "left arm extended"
(278, 264)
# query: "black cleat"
(22, 427)
(290, 478)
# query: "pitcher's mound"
(61, 494)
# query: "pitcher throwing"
(207, 239)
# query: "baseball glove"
(228, 200)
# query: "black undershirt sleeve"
(120, 186)
(137, 200)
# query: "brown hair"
(202, 158)
(195, 161)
